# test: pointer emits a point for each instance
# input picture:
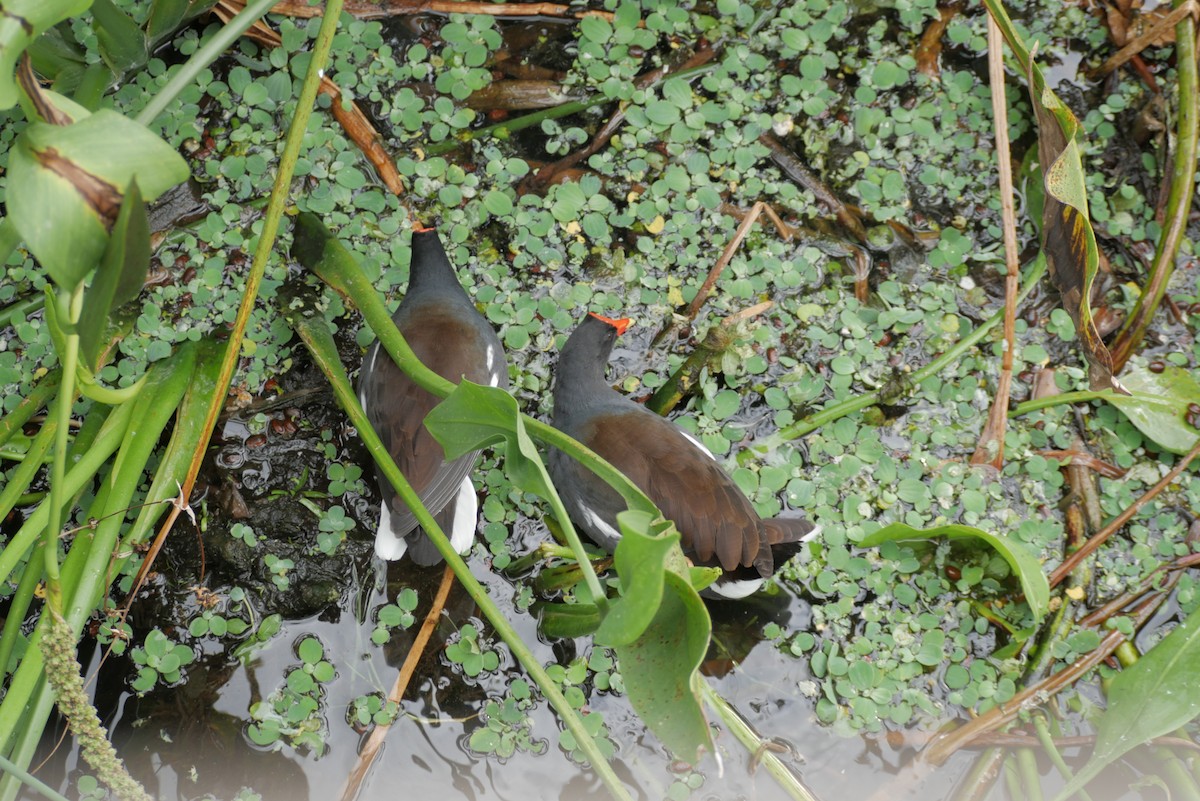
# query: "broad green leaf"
(659, 670)
(1158, 405)
(51, 53)
(473, 416)
(165, 17)
(63, 232)
(1024, 564)
(1067, 236)
(63, 186)
(1155, 696)
(642, 559)
(21, 23)
(122, 43)
(120, 277)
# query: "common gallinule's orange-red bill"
(718, 524)
(441, 325)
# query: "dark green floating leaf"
(1024, 564)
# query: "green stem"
(33, 403)
(21, 309)
(23, 476)
(29, 780)
(1079, 396)
(316, 336)
(978, 782)
(58, 469)
(859, 402)
(1047, 741)
(19, 605)
(1030, 777)
(206, 55)
(754, 744)
(9, 239)
(82, 472)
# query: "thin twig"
(990, 449)
(349, 115)
(1072, 561)
(370, 749)
(731, 248)
(547, 174)
(1146, 39)
(280, 192)
(1183, 183)
(943, 747)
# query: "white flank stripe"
(388, 546)
(593, 519)
(366, 368)
(466, 517)
(812, 535)
(698, 444)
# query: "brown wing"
(717, 523)
(397, 408)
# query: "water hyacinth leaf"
(21, 23)
(1067, 236)
(473, 416)
(122, 43)
(1158, 405)
(641, 559)
(1155, 696)
(64, 186)
(120, 276)
(659, 670)
(1024, 564)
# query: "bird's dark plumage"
(718, 524)
(446, 332)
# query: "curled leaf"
(1024, 564)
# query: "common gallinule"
(717, 523)
(441, 325)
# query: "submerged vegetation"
(837, 287)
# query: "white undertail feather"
(733, 590)
(466, 517)
(388, 546)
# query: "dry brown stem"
(1072, 561)
(990, 449)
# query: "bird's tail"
(781, 540)
(784, 530)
